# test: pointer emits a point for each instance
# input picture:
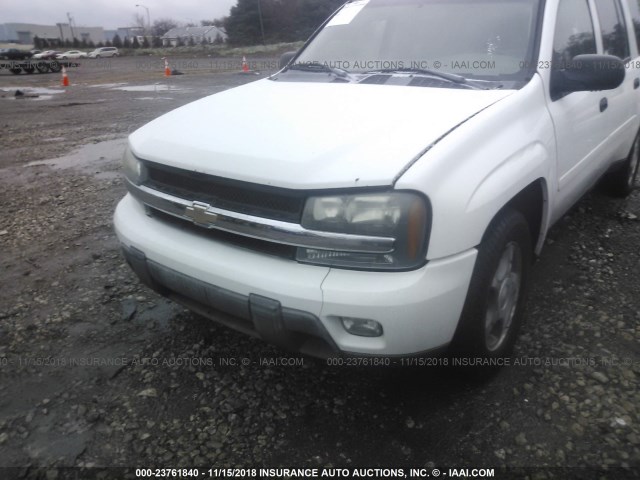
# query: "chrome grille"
(251, 199)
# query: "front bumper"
(294, 305)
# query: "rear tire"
(495, 301)
(621, 182)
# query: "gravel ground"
(98, 371)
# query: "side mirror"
(286, 58)
(586, 73)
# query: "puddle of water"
(151, 88)
(90, 159)
(108, 85)
(161, 314)
(153, 98)
(27, 90)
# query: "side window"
(613, 28)
(574, 34)
(634, 6)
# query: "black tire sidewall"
(469, 340)
(626, 188)
(616, 183)
(634, 151)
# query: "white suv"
(385, 192)
(104, 52)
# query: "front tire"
(620, 183)
(495, 301)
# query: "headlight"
(132, 167)
(400, 215)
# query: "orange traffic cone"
(167, 70)
(65, 78)
(245, 65)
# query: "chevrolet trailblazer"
(385, 192)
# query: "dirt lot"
(97, 371)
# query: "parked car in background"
(14, 54)
(46, 55)
(104, 52)
(72, 54)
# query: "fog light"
(361, 327)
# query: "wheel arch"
(532, 201)
(519, 182)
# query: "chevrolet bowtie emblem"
(200, 214)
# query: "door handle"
(636, 83)
(604, 103)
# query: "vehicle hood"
(308, 135)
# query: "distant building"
(128, 32)
(109, 34)
(25, 32)
(210, 34)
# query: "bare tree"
(162, 26)
(218, 22)
(139, 21)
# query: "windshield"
(478, 39)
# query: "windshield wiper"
(319, 68)
(452, 77)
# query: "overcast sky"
(110, 14)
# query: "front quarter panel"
(478, 168)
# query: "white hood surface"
(308, 135)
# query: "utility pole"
(148, 16)
(261, 23)
(73, 34)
